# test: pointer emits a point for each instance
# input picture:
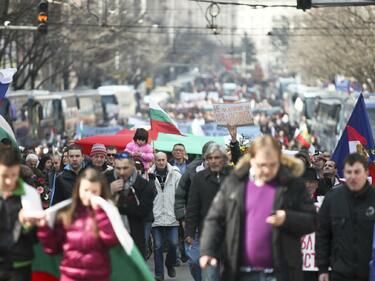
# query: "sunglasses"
(111, 154)
(123, 155)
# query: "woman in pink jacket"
(140, 149)
(82, 232)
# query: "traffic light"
(304, 4)
(43, 16)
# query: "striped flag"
(126, 261)
(6, 132)
(161, 122)
(357, 137)
(6, 77)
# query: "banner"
(84, 131)
(233, 114)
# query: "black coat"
(203, 189)
(136, 214)
(344, 236)
(64, 185)
(223, 228)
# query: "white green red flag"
(161, 122)
(126, 261)
(6, 132)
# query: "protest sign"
(308, 247)
(233, 114)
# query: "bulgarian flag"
(304, 138)
(6, 77)
(6, 132)
(126, 261)
(161, 122)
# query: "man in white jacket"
(165, 225)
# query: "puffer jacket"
(164, 214)
(85, 254)
(147, 153)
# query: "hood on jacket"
(290, 167)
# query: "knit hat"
(97, 149)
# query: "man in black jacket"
(256, 220)
(16, 234)
(66, 180)
(134, 196)
(204, 186)
(346, 222)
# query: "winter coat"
(223, 227)
(146, 150)
(137, 212)
(202, 191)
(164, 201)
(182, 191)
(16, 243)
(344, 236)
(85, 253)
(64, 185)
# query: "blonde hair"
(262, 142)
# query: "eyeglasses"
(123, 155)
(111, 154)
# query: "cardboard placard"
(237, 114)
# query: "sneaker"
(178, 262)
(171, 271)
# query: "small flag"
(357, 137)
(6, 77)
(161, 122)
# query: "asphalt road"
(182, 272)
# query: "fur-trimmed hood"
(290, 167)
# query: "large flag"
(126, 261)
(161, 122)
(357, 137)
(6, 132)
(6, 77)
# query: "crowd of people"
(231, 214)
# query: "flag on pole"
(161, 122)
(6, 77)
(357, 137)
(126, 261)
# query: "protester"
(330, 178)
(16, 234)
(111, 152)
(140, 149)
(98, 156)
(134, 196)
(203, 189)
(346, 223)
(45, 165)
(66, 180)
(83, 232)
(165, 225)
(310, 177)
(179, 159)
(258, 217)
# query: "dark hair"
(74, 147)
(9, 157)
(179, 144)
(141, 134)
(6, 142)
(353, 158)
(43, 161)
(92, 175)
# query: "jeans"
(211, 273)
(257, 276)
(148, 226)
(192, 251)
(160, 233)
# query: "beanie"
(98, 148)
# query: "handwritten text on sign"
(233, 114)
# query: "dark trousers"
(310, 276)
(334, 276)
(256, 276)
(19, 274)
